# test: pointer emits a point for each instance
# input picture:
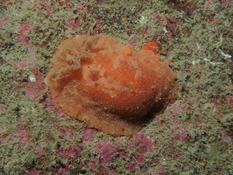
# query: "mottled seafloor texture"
(192, 136)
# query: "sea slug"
(108, 84)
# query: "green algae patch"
(192, 136)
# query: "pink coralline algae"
(63, 170)
(22, 134)
(134, 39)
(3, 21)
(82, 6)
(47, 8)
(229, 100)
(69, 152)
(35, 172)
(178, 108)
(67, 132)
(21, 65)
(73, 23)
(48, 104)
(226, 136)
(40, 151)
(143, 144)
(182, 135)
(106, 150)
(131, 167)
(98, 25)
(23, 29)
(88, 134)
(64, 3)
(225, 3)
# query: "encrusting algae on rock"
(109, 85)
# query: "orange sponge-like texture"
(109, 85)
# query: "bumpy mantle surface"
(109, 85)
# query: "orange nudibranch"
(152, 46)
(108, 84)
